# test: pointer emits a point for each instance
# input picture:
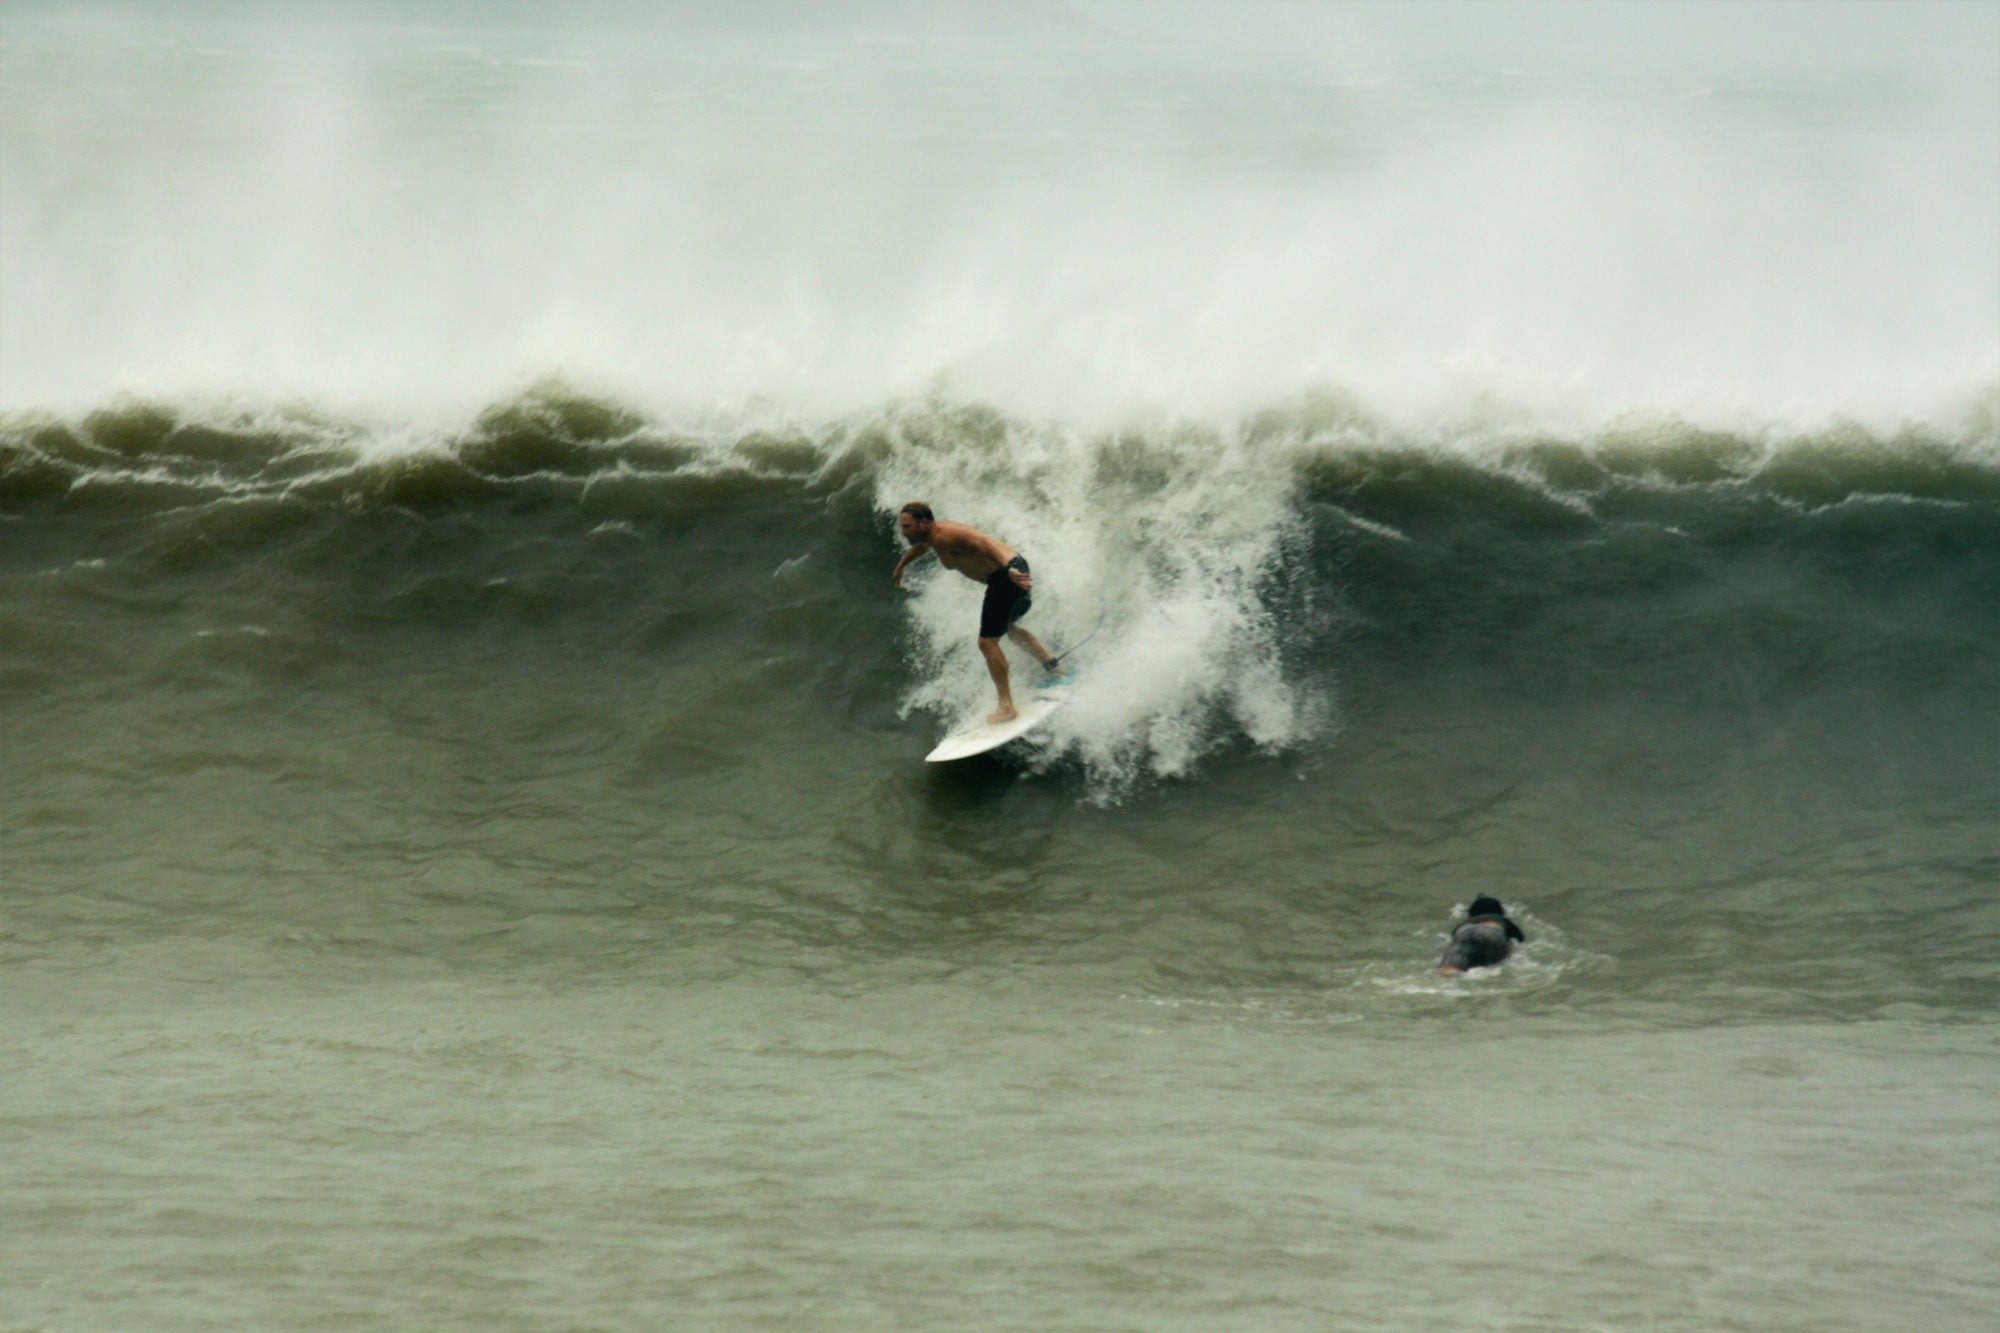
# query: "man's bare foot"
(1004, 713)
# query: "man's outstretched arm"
(910, 557)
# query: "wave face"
(1070, 211)
(1733, 687)
(1559, 460)
(1251, 584)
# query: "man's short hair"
(920, 511)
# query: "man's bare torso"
(968, 550)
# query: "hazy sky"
(1569, 33)
(1564, 34)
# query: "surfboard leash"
(1056, 661)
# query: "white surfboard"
(980, 736)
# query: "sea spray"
(1075, 216)
(1174, 535)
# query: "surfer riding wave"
(983, 559)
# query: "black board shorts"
(1006, 601)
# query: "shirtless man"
(987, 560)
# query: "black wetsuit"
(1482, 942)
(1006, 601)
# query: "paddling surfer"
(1483, 939)
(983, 559)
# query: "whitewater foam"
(1171, 538)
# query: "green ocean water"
(498, 885)
(465, 855)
